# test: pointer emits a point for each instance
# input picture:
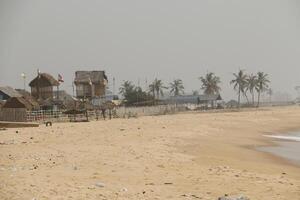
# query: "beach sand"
(183, 156)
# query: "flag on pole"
(60, 78)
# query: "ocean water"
(287, 146)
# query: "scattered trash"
(168, 183)
(17, 131)
(48, 123)
(99, 184)
(149, 184)
(122, 129)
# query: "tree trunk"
(245, 94)
(239, 98)
(258, 98)
(252, 93)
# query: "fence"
(149, 110)
(13, 114)
(121, 112)
(21, 115)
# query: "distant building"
(15, 109)
(20, 102)
(8, 92)
(68, 101)
(42, 86)
(194, 99)
(27, 96)
(90, 84)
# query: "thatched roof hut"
(7, 92)
(27, 96)
(90, 83)
(43, 80)
(18, 102)
(84, 77)
(42, 86)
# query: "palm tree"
(176, 87)
(157, 87)
(251, 84)
(262, 84)
(126, 87)
(210, 83)
(239, 82)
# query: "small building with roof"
(90, 84)
(194, 99)
(15, 109)
(42, 86)
(7, 92)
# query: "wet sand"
(182, 156)
(286, 146)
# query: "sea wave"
(282, 137)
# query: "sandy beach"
(190, 155)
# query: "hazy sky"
(167, 39)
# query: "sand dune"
(182, 156)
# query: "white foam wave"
(293, 138)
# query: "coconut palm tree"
(210, 83)
(262, 84)
(157, 87)
(176, 87)
(126, 87)
(251, 84)
(240, 83)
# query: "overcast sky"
(139, 40)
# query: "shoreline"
(284, 145)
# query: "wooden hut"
(42, 86)
(90, 84)
(15, 109)
(7, 92)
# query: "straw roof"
(44, 80)
(18, 102)
(9, 91)
(27, 96)
(86, 76)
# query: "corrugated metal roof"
(9, 91)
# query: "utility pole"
(114, 86)
(24, 80)
(38, 84)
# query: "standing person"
(103, 110)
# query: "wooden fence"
(40, 116)
(13, 114)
